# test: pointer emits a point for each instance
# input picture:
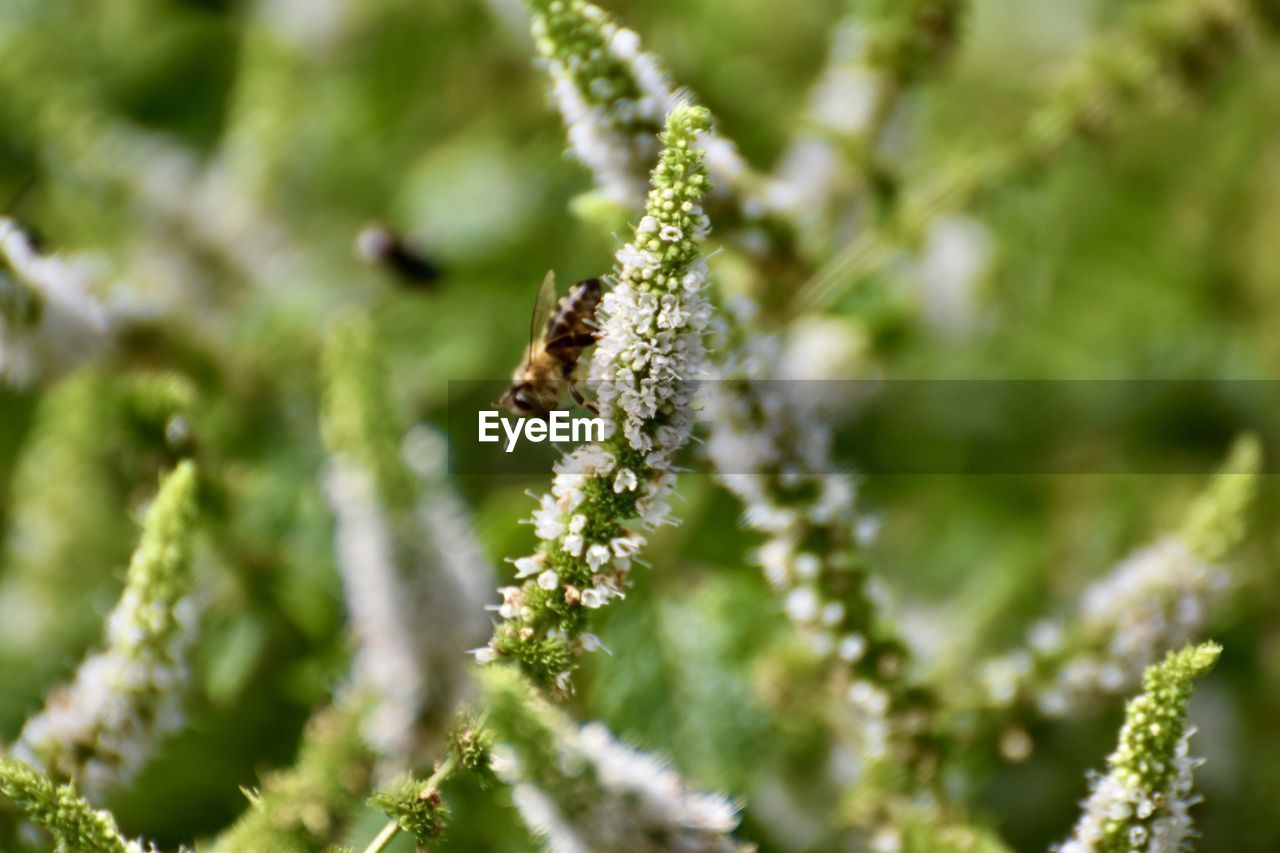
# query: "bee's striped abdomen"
(574, 313)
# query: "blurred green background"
(1149, 255)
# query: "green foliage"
(416, 808)
(521, 717)
(1218, 520)
(101, 727)
(958, 188)
(908, 38)
(306, 806)
(160, 571)
(472, 742)
(1156, 720)
(76, 826)
(72, 440)
(358, 419)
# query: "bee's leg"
(582, 401)
(578, 341)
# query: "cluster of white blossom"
(556, 521)
(844, 110)
(614, 98)
(50, 320)
(197, 202)
(450, 531)
(1142, 804)
(838, 162)
(640, 804)
(955, 258)
(414, 577)
(1156, 599)
(854, 124)
(583, 790)
(651, 349)
(386, 660)
(649, 352)
(1114, 798)
(1173, 829)
(196, 208)
(830, 350)
(74, 823)
(100, 729)
(771, 448)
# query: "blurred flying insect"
(383, 247)
(558, 333)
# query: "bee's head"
(519, 400)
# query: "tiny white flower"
(775, 558)
(868, 697)
(567, 489)
(548, 521)
(807, 566)
(595, 459)
(68, 325)
(851, 648)
(626, 546)
(802, 604)
(1046, 637)
(548, 580)
(625, 481)
(597, 556)
(887, 840)
(654, 512)
(625, 45)
(528, 566)
(512, 601)
(832, 613)
(820, 643)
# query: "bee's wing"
(542, 309)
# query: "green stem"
(390, 831)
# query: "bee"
(379, 245)
(558, 333)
